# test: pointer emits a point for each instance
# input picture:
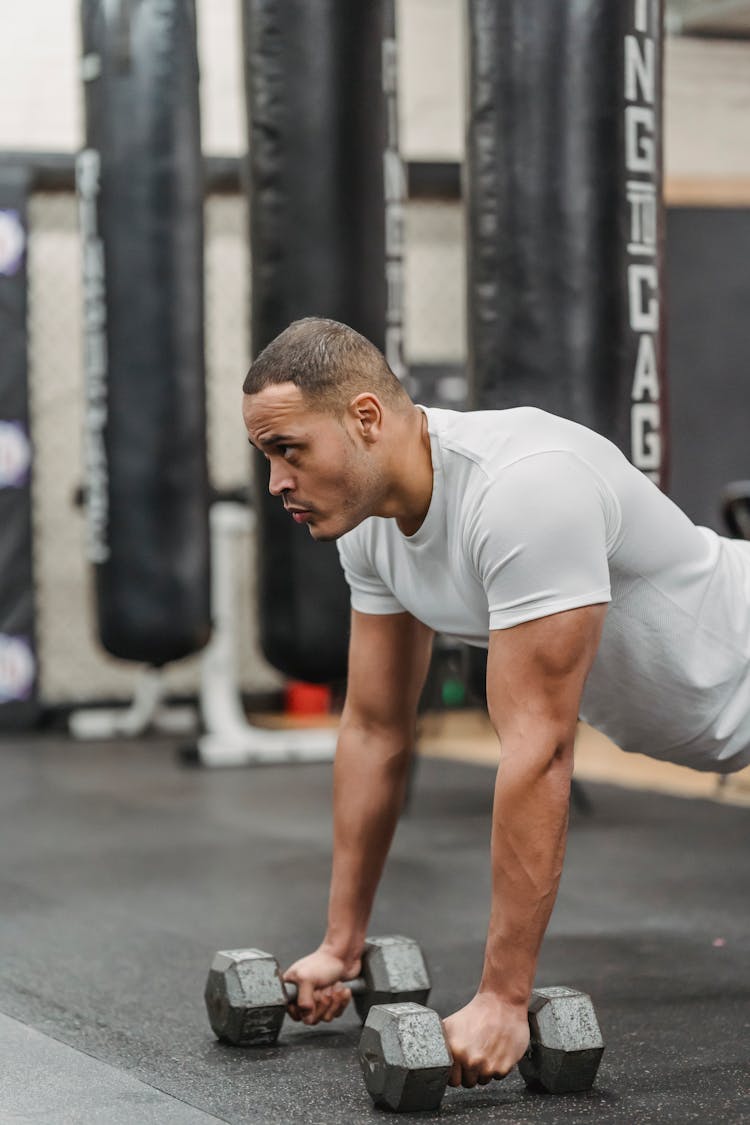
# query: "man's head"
(330, 363)
(323, 405)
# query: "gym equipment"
(566, 1042)
(326, 212)
(565, 216)
(19, 705)
(147, 711)
(246, 998)
(406, 1061)
(228, 738)
(734, 503)
(140, 191)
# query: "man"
(520, 531)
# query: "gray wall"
(708, 325)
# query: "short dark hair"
(329, 362)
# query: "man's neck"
(413, 475)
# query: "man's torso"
(531, 515)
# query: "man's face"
(319, 467)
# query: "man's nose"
(280, 480)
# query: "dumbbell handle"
(356, 985)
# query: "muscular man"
(530, 535)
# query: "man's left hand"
(486, 1038)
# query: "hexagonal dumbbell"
(247, 1000)
(566, 1043)
(404, 1057)
(406, 1061)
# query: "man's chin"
(328, 534)
(320, 535)
(325, 531)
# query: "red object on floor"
(307, 699)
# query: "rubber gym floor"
(123, 872)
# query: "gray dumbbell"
(406, 1061)
(247, 1000)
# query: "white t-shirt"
(532, 514)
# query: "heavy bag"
(18, 650)
(565, 215)
(326, 190)
(141, 202)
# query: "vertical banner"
(18, 661)
(565, 215)
(645, 351)
(326, 190)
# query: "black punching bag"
(141, 205)
(565, 215)
(326, 216)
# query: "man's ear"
(366, 412)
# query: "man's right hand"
(316, 976)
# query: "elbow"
(562, 762)
(545, 753)
(388, 742)
(555, 761)
(563, 755)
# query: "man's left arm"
(535, 677)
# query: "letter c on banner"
(644, 311)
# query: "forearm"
(369, 783)
(529, 827)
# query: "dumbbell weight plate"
(404, 1057)
(244, 997)
(394, 971)
(566, 1042)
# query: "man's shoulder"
(501, 437)
(517, 446)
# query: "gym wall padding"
(18, 649)
(565, 215)
(708, 317)
(320, 82)
(141, 207)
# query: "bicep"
(536, 673)
(389, 655)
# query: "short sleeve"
(538, 539)
(369, 594)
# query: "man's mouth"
(299, 515)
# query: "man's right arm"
(388, 660)
(389, 656)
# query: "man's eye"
(285, 451)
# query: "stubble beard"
(368, 491)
